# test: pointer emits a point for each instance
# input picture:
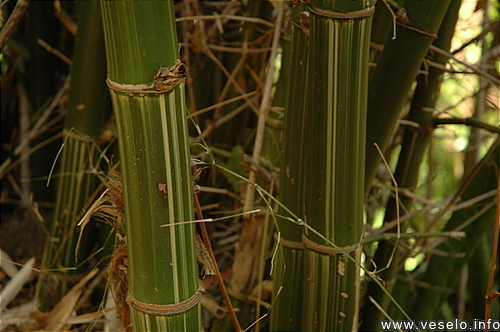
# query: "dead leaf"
(65, 308)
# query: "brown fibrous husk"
(118, 282)
(109, 208)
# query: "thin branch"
(11, 23)
(219, 64)
(220, 191)
(227, 85)
(264, 107)
(54, 51)
(223, 103)
(36, 129)
(388, 236)
(233, 49)
(431, 246)
(473, 122)
(211, 126)
(379, 307)
(238, 49)
(394, 17)
(220, 280)
(396, 194)
(9, 165)
(455, 198)
(65, 19)
(493, 80)
(491, 27)
(429, 207)
(226, 17)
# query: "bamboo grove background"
(269, 139)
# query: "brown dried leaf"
(62, 311)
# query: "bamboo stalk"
(333, 166)
(414, 146)
(288, 274)
(87, 108)
(395, 74)
(157, 185)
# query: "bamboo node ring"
(310, 244)
(348, 16)
(166, 309)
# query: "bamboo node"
(310, 244)
(78, 136)
(166, 309)
(288, 243)
(348, 16)
(165, 80)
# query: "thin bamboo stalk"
(384, 24)
(288, 274)
(395, 74)
(87, 107)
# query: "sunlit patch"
(412, 262)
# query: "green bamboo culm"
(382, 27)
(333, 169)
(157, 184)
(87, 108)
(413, 148)
(395, 73)
(288, 273)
